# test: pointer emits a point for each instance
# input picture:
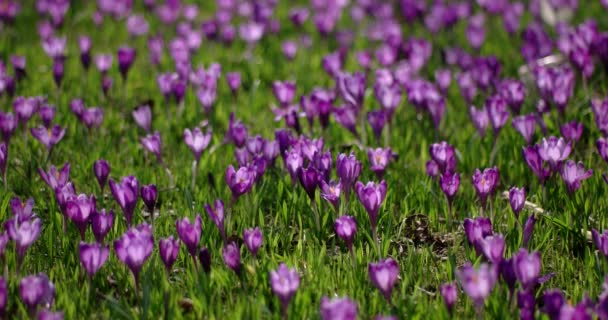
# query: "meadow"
(336, 159)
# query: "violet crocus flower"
(3, 160)
(601, 241)
(135, 247)
(338, 309)
(331, 191)
(573, 174)
(449, 182)
(475, 31)
(48, 137)
(444, 156)
(216, 214)
(371, 196)
(553, 302)
(197, 141)
(525, 125)
(485, 183)
(346, 227)
(477, 229)
(602, 148)
(572, 131)
(527, 267)
(79, 210)
(554, 151)
(514, 92)
(449, 292)
(84, 44)
(497, 112)
(25, 108)
(284, 282)
(535, 162)
(351, 88)
(168, 249)
(47, 114)
(348, 169)
(18, 63)
(49, 315)
(233, 79)
(379, 158)
(125, 57)
(477, 283)
(253, 240)
(58, 72)
(93, 256)
(101, 168)
(149, 194)
(24, 233)
(22, 210)
(190, 234)
(383, 275)
(232, 257)
(493, 248)
(143, 117)
(153, 143)
(8, 125)
(528, 229)
(103, 62)
(126, 195)
(239, 181)
(309, 179)
(35, 290)
(480, 119)
(517, 200)
(101, 223)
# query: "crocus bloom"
(153, 144)
(284, 282)
(601, 241)
(22, 210)
(24, 233)
(93, 256)
(216, 213)
(338, 309)
(84, 44)
(48, 137)
(535, 162)
(36, 290)
(253, 240)
(384, 275)
(346, 227)
(517, 199)
(189, 233)
(497, 112)
(493, 248)
(553, 302)
(25, 108)
(284, 91)
(309, 178)
(602, 148)
(450, 182)
(449, 292)
(443, 154)
(101, 223)
(527, 267)
(168, 249)
(485, 183)
(477, 229)
(143, 117)
(125, 57)
(379, 159)
(126, 195)
(232, 257)
(525, 125)
(234, 81)
(554, 151)
(148, 195)
(371, 196)
(204, 257)
(8, 125)
(102, 170)
(103, 62)
(348, 169)
(135, 247)
(528, 229)
(573, 174)
(477, 284)
(79, 210)
(480, 119)
(47, 114)
(239, 182)
(197, 141)
(572, 130)
(331, 191)
(3, 159)
(49, 315)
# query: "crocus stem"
(387, 134)
(284, 310)
(4, 180)
(449, 214)
(166, 305)
(315, 210)
(194, 171)
(376, 241)
(479, 311)
(362, 124)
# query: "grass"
(282, 212)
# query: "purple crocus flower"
(3, 160)
(528, 229)
(601, 241)
(346, 227)
(497, 112)
(103, 62)
(517, 199)
(234, 81)
(49, 315)
(443, 155)
(348, 169)
(216, 213)
(232, 257)
(149, 194)
(79, 210)
(449, 292)
(514, 92)
(93, 256)
(338, 309)
(84, 44)
(553, 302)
(535, 162)
(485, 183)
(126, 195)
(101, 223)
(493, 248)
(573, 174)
(475, 31)
(379, 159)
(22, 210)
(253, 240)
(351, 88)
(331, 191)
(572, 131)
(48, 137)
(383, 275)
(190, 233)
(125, 57)
(58, 72)
(25, 108)
(309, 179)
(449, 182)
(47, 114)
(602, 148)
(554, 151)
(525, 125)
(527, 267)
(137, 25)
(284, 282)
(24, 233)
(477, 229)
(36, 290)
(18, 63)
(477, 284)
(284, 91)
(8, 125)
(143, 117)
(153, 144)
(371, 196)
(480, 119)
(377, 120)
(135, 247)
(239, 181)
(168, 249)
(293, 162)
(101, 168)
